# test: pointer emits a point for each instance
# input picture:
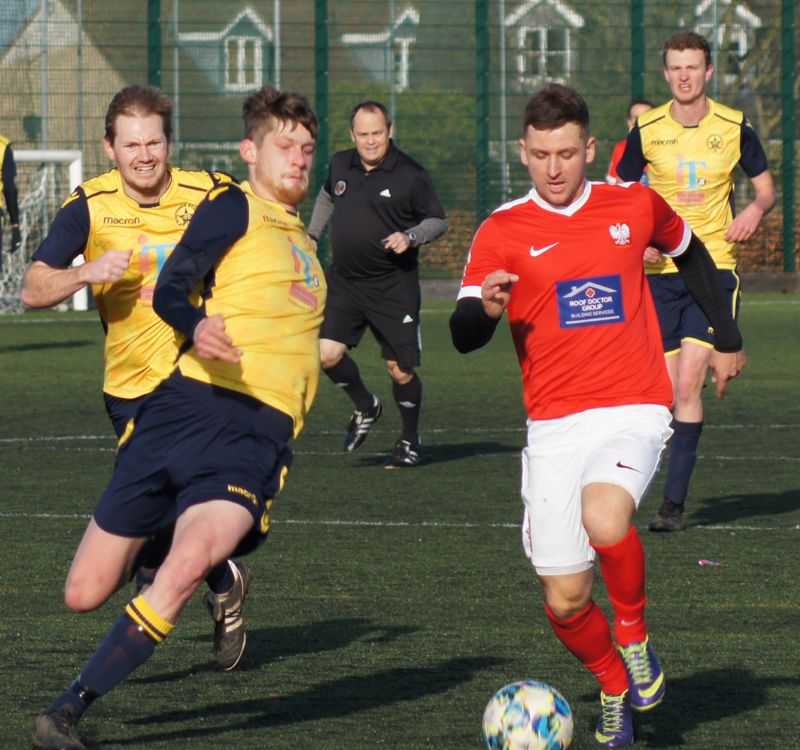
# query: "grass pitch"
(388, 606)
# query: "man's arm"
(50, 279)
(701, 277)
(474, 320)
(746, 222)
(321, 215)
(219, 221)
(45, 286)
(632, 162)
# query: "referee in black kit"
(382, 206)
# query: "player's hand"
(212, 342)
(726, 366)
(397, 242)
(496, 292)
(651, 255)
(745, 224)
(107, 269)
(16, 239)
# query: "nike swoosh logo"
(535, 252)
(621, 465)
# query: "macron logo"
(542, 250)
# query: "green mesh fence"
(454, 73)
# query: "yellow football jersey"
(270, 289)
(140, 349)
(692, 168)
(3, 146)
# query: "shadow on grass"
(705, 697)
(328, 699)
(729, 508)
(266, 645)
(44, 346)
(438, 453)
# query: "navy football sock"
(221, 578)
(345, 375)
(128, 644)
(409, 401)
(682, 458)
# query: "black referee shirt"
(369, 206)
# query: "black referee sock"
(409, 400)
(345, 375)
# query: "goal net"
(44, 179)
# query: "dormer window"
(543, 53)
(243, 63)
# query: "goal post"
(45, 177)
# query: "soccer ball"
(527, 715)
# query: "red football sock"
(623, 568)
(588, 637)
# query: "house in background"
(731, 28)
(542, 43)
(386, 55)
(237, 58)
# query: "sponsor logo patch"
(583, 302)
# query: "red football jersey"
(581, 315)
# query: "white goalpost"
(45, 177)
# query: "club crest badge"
(339, 187)
(620, 233)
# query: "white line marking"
(355, 523)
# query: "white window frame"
(236, 71)
(539, 55)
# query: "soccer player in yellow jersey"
(9, 203)
(216, 431)
(690, 147)
(125, 224)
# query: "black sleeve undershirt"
(701, 277)
(219, 221)
(470, 326)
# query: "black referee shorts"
(389, 305)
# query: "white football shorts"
(619, 445)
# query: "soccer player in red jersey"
(565, 263)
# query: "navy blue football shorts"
(388, 305)
(121, 411)
(192, 442)
(680, 317)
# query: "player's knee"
(565, 605)
(398, 374)
(81, 596)
(330, 354)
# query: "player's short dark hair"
(139, 100)
(370, 106)
(687, 40)
(553, 106)
(638, 101)
(268, 107)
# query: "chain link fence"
(454, 73)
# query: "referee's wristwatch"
(412, 237)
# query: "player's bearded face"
(556, 161)
(140, 150)
(279, 166)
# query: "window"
(543, 53)
(243, 63)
